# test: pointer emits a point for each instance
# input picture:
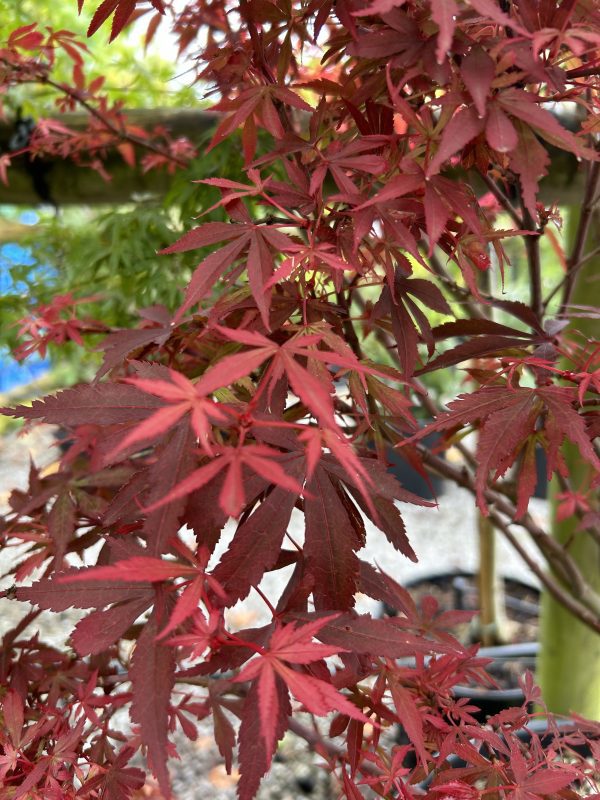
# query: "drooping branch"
(582, 595)
(70, 186)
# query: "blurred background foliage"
(109, 252)
(142, 77)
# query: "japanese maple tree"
(394, 157)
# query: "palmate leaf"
(53, 594)
(334, 532)
(232, 498)
(409, 323)
(525, 106)
(122, 9)
(119, 780)
(96, 632)
(256, 545)
(152, 673)
(95, 404)
(508, 417)
(464, 126)
(254, 756)
(388, 638)
(259, 242)
(61, 524)
(273, 677)
(483, 338)
(444, 13)
(478, 70)
(119, 344)
(384, 491)
(173, 465)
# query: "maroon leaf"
(174, 463)
(61, 524)
(464, 126)
(100, 629)
(50, 593)
(152, 673)
(564, 422)
(499, 130)
(120, 344)
(381, 637)
(96, 404)
(333, 535)
(530, 161)
(389, 520)
(444, 13)
(478, 71)
(256, 545)
(524, 105)
(255, 758)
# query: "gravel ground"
(444, 539)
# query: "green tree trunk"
(569, 663)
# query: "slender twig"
(348, 326)
(574, 270)
(577, 608)
(583, 72)
(120, 133)
(503, 200)
(585, 221)
(318, 743)
(559, 559)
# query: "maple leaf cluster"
(258, 399)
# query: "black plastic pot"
(491, 700)
(411, 479)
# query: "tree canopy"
(294, 309)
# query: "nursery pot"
(509, 661)
(506, 658)
(412, 480)
(427, 488)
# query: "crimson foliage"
(364, 126)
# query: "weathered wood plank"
(67, 184)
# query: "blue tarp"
(17, 373)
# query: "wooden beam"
(13, 231)
(65, 183)
(68, 184)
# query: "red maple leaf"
(255, 105)
(291, 644)
(117, 781)
(147, 569)
(258, 241)
(507, 418)
(185, 398)
(122, 9)
(258, 458)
